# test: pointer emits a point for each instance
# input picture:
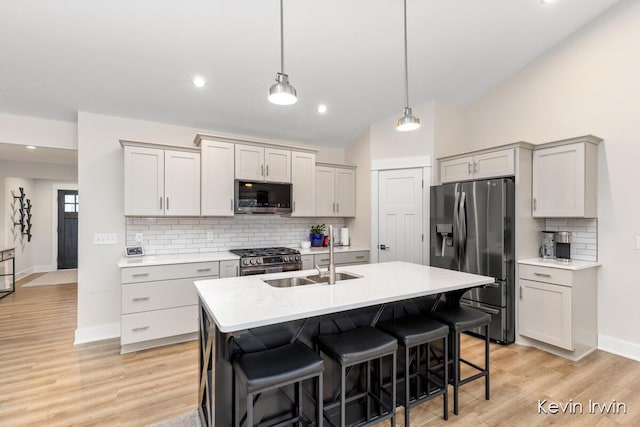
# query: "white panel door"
(217, 178)
(181, 183)
(345, 192)
(277, 165)
(249, 162)
(303, 180)
(400, 215)
(143, 181)
(325, 202)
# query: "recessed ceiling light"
(322, 108)
(199, 81)
(31, 147)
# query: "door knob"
(385, 247)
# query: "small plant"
(318, 229)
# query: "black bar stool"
(461, 319)
(355, 347)
(413, 332)
(275, 368)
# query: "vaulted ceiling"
(137, 58)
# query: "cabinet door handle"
(475, 167)
(338, 207)
(360, 257)
(140, 274)
(262, 170)
(167, 203)
(237, 270)
(469, 168)
(202, 270)
(160, 203)
(520, 292)
(294, 207)
(534, 203)
(142, 328)
(140, 299)
(267, 170)
(542, 274)
(232, 205)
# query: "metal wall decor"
(22, 213)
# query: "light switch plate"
(105, 239)
(637, 242)
(138, 237)
(210, 236)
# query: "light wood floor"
(46, 381)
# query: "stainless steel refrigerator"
(472, 230)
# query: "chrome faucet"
(331, 271)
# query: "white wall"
(39, 132)
(100, 185)
(359, 155)
(589, 84)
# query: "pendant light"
(282, 93)
(408, 121)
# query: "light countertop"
(240, 303)
(176, 259)
(575, 264)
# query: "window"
(71, 203)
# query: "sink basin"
(290, 282)
(339, 276)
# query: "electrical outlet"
(210, 236)
(139, 238)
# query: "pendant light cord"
(406, 66)
(282, 38)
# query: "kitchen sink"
(339, 276)
(290, 282)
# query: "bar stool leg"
(250, 410)
(368, 385)
(298, 400)
(236, 402)
(319, 402)
(406, 387)
(393, 389)
(343, 398)
(445, 379)
(486, 362)
(456, 370)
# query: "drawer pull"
(360, 257)
(140, 274)
(542, 274)
(140, 299)
(142, 328)
(202, 270)
(324, 259)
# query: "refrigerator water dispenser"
(444, 238)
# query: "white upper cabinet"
(479, 166)
(335, 191)
(217, 178)
(159, 182)
(303, 180)
(565, 179)
(255, 163)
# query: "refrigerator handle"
(462, 227)
(456, 228)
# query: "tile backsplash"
(584, 236)
(189, 235)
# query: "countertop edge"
(574, 266)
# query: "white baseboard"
(44, 268)
(99, 333)
(621, 348)
(24, 273)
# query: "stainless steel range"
(267, 260)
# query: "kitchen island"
(245, 314)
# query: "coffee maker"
(563, 246)
(548, 248)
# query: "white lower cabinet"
(558, 309)
(160, 303)
(229, 268)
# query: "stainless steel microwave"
(262, 197)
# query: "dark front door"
(67, 229)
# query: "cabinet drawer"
(546, 274)
(170, 271)
(152, 325)
(361, 257)
(137, 297)
(11, 253)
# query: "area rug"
(54, 278)
(190, 419)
